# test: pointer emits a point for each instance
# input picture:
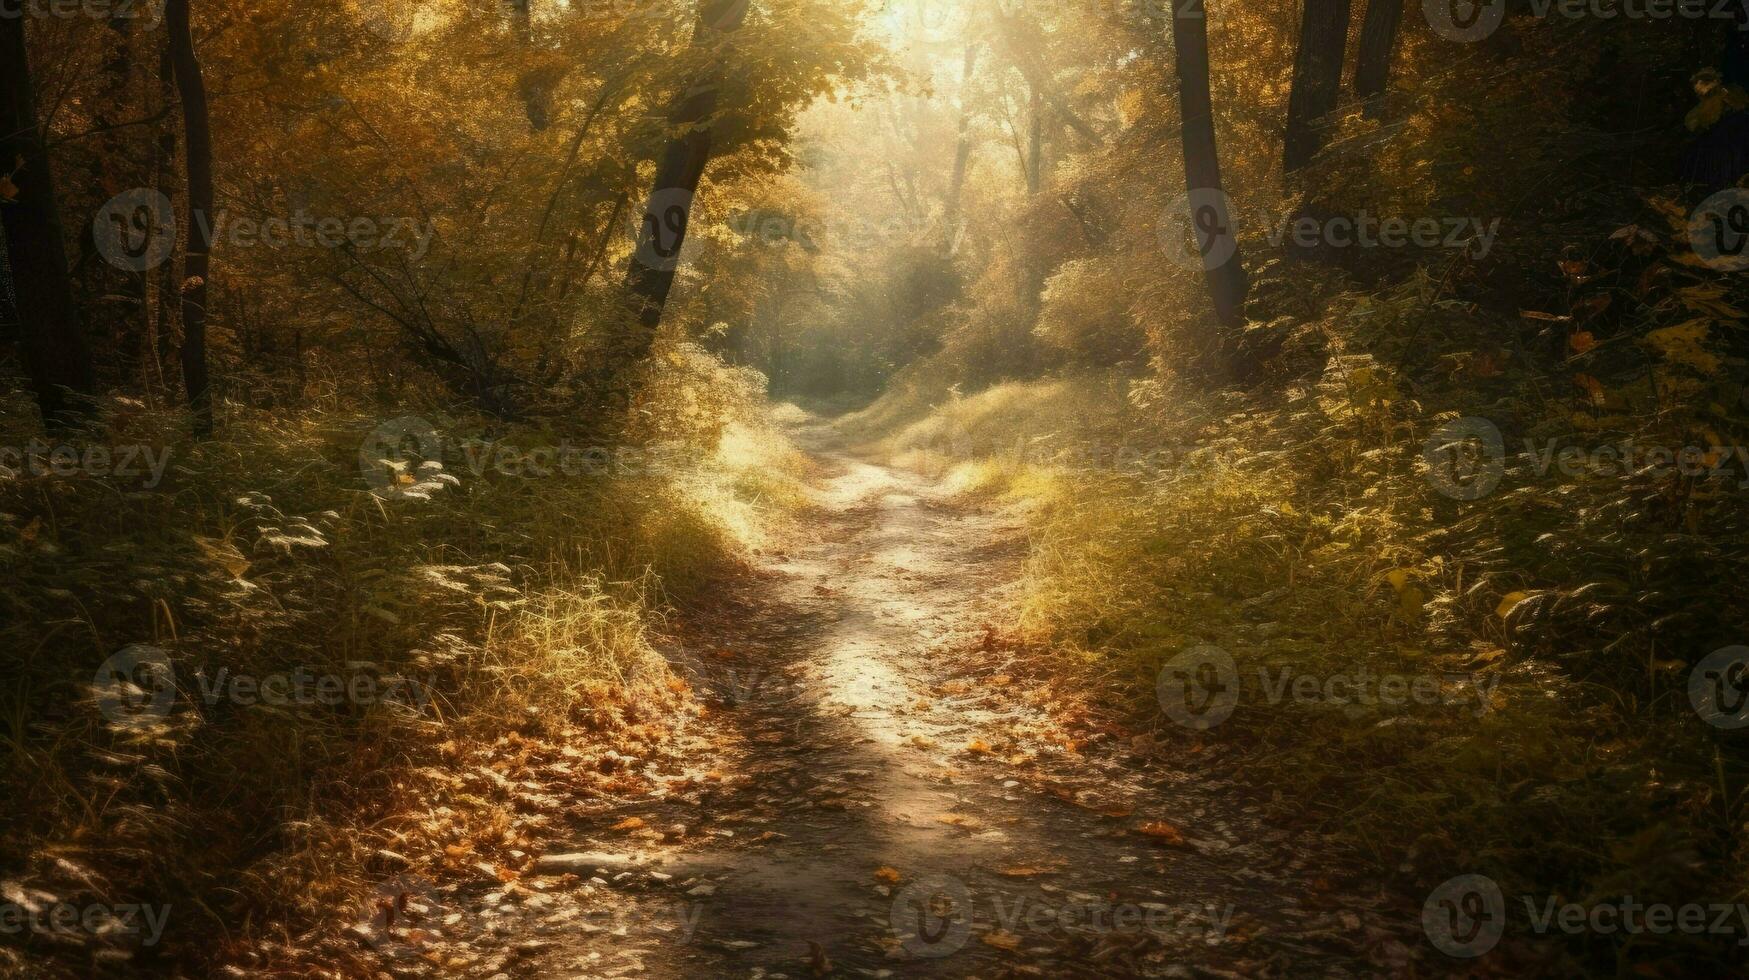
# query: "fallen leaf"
(1001, 939)
(1161, 831)
(1509, 602)
(1021, 871)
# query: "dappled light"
(874, 488)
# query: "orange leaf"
(1161, 831)
(1001, 939)
(1021, 871)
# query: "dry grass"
(1305, 538)
(507, 604)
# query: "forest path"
(901, 795)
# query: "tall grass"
(1298, 532)
(473, 605)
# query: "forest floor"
(883, 784)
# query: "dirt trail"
(879, 723)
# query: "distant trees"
(197, 260)
(1378, 43)
(1317, 79)
(668, 209)
(53, 348)
(1210, 220)
(962, 154)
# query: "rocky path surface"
(893, 791)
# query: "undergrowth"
(1552, 622)
(510, 585)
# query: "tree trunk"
(535, 87)
(1035, 145)
(668, 210)
(1317, 82)
(128, 328)
(164, 173)
(197, 260)
(53, 348)
(962, 156)
(1378, 42)
(1210, 215)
